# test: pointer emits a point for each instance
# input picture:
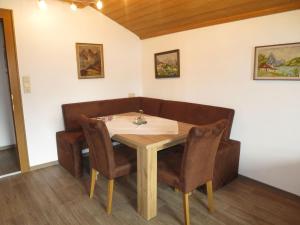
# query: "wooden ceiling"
(150, 18)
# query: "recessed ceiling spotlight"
(99, 4)
(73, 7)
(42, 4)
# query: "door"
(14, 86)
(9, 161)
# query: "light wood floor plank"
(51, 196)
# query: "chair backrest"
(199, 154)
(100, 147)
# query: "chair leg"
(209, 191)
(109, 196)
(93, 182)
(186, 208)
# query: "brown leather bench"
(71, 141)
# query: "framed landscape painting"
(89, 60)
(277, 62)
(167, 64)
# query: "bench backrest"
(196, 114)
(182, 111)
(72, 112)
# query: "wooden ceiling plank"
(183, 7)
(192, 16)
(112, 7)
(142, 11)
(108, 4)
(149, 18)
(278, 9)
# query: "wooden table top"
(158, 142)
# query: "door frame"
(6, 16)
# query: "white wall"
(217, 68)
(7, 136)
(46, 52)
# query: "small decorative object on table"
(140, 119)
(105, 118)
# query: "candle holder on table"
(140, 119)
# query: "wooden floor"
(8, 161)
(52, 196)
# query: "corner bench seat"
(71, 141)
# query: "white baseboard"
(10, 174)
(7, 147)
(44, 165)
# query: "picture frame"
(90, 62)
(167, 64)
(277, 62)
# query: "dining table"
(147, 145)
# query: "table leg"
(147, 182)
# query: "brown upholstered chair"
(187, 167)
(108, 161)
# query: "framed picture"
(277, 62)
(167, 64)
(89, 60)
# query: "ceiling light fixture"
(99, 4)
(73, 7)
(42, 4)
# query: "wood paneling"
(157, 17)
